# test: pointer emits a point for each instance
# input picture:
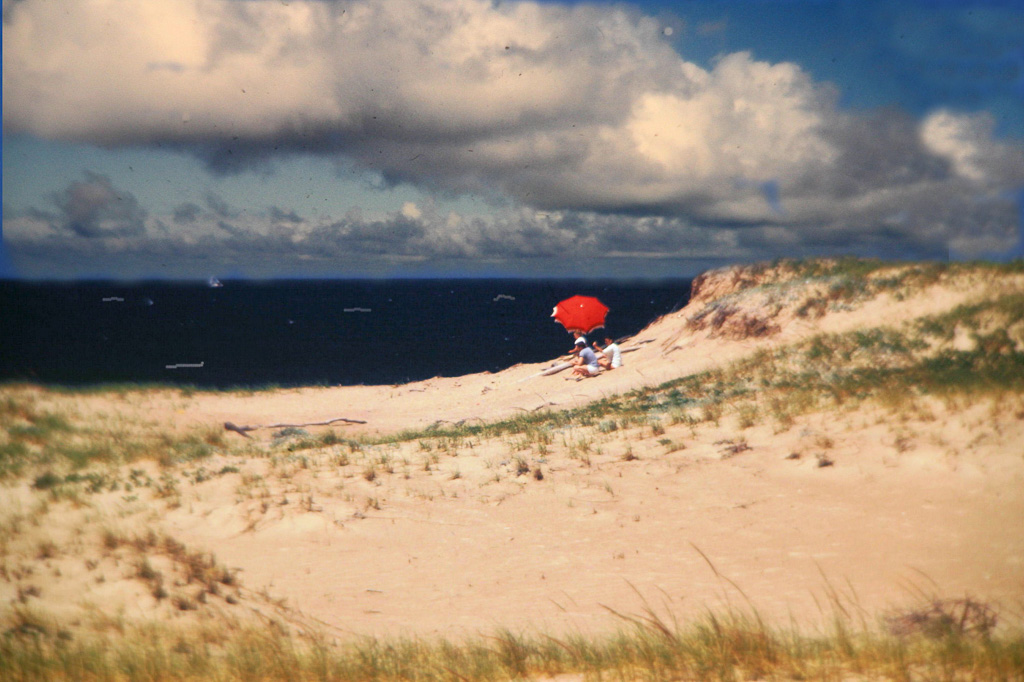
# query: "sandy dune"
(463, 536)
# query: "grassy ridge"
(730, 646)
(826, 371)
(34, 436)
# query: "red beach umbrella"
(580, 314)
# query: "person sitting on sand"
(581, 342)
(610, 356)
(586, 363)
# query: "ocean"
(298, 332)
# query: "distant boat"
(214, 283)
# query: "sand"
(448, 539)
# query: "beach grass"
(730, 645)
(51, 438)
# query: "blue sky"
(259, 138)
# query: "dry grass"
(733, 645)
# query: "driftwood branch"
(561, 366)
(242, 430)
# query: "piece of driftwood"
(555, 369)
(241, 430)
(562, 366)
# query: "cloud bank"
(598, 133)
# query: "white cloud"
(966, 142)
(411, 210)
(582, 109)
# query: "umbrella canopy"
(580, 314)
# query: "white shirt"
(612, 351)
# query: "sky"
(186, 139)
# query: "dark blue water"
(301, 332)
